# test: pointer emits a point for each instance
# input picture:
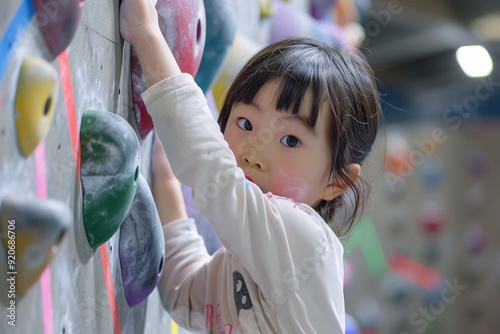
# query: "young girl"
(297, 123)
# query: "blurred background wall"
(435, 265)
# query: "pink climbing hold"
(183, 24)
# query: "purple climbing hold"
(142, 246)
(58, 21)
(320, 7)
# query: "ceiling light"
(474, 60)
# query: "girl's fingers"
(135, 17)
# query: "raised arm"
(139, 26)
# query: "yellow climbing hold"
(31, 231)
(34, 102)
(267, 8)
(241, 50)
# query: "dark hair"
(342, 79)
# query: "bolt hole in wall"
(160, 267)
(198, 31)
(424, 259)
(47, 106)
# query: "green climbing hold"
(110, 156)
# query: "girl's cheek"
(292, 186)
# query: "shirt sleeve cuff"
(180, 226)
(166, 86)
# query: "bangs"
(302, 71)
(291, 93)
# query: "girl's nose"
(254, 159)
(257, 165)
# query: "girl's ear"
(339, 186)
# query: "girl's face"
(278, 151)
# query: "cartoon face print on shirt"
(241, 295)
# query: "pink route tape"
(414, 272)
(111, 290)
(40, 172)
(69, 100)
(45, 281)
(47, 310)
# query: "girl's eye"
(245, 124)
(290, 141)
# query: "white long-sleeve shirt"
(281, 270)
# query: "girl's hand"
(137, 18)
(139, 26)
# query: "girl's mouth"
(248, 178)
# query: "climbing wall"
(60, 60)
(81, 290)
(74, 156)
